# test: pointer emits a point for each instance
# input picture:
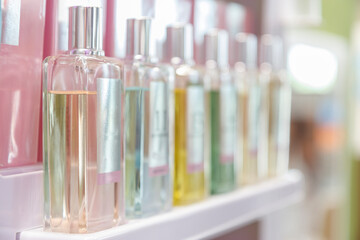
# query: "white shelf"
(208, 218)
(21, 200)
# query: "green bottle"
(221, 113)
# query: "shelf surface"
(21, 195)
(209, 218)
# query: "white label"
(195, 128)
(108, 129)
(228, 123)
(10, 22)
(159, 125)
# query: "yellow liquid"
(188, 187)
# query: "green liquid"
(222, 174)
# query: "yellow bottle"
(187, 117)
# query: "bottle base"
(149, 212)
(188, 200)
(61, 226)
(221, 190)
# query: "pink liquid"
(20, 88)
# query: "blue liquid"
(145, 195)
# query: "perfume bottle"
(221, 112)
(83, 100)
(249, 108)
(21, 52)
(148, 185)
(277, 102)
(186, 116)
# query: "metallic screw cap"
(245, 50)
(179, 43)
(217, 47)
(271, 51)
(138, 37)
(85, 28)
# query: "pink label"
(193, 168)
(227, 159)
(111, 177)
(158, 171)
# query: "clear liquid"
(188, 187)
(145, 194)
(76, 202)
(279, 99)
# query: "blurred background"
(323, 62)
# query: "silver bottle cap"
(216, 43)
(179, 43)
(245, 50)
(85, 28)
(271, 52)
(138, 37)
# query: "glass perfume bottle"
(148, 185)
(186, 116)
(249, 109)
(221, 112)
(82, 117)
(277, 102)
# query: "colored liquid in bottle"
(189, 186)
(147, 191)
(77, 203)
(134, 137)
(279, 99)
(248, 161)
(222, 162)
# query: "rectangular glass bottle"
(148, 182)
(250, 126)
(186, 117)
(82, 132)
(252, 123)
(221, 113)
(277, 102)
(278, 98)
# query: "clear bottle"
(249, 109)
(83, 151)
(277, 102)
(221, 112)
(148, 185)
(187, 113)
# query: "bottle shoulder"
(135, 64)
(142, 73)
(82, 60)
(274, 78)
(79, 71)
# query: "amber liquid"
(188, 187)
(76, 202)
(247, 166)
